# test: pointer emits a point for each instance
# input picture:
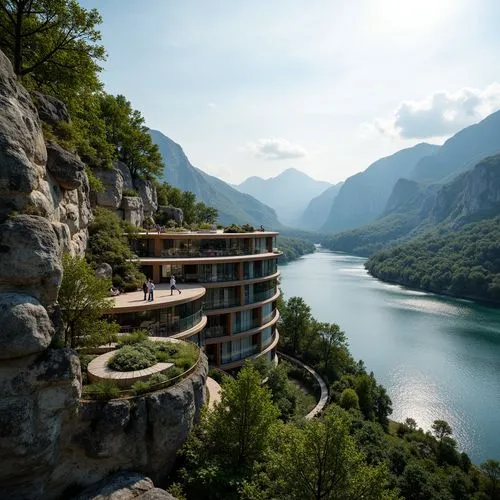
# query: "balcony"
(214, 332)
(238, 356)
(220, 304)
(261, 296)
(179, 326)
(250, 325)
(218, 279)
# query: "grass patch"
(104, 390)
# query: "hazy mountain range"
(233, 206)
(289, 193)
(379, 204)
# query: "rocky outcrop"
(26, 326)
(117, 181)
(141, 434)
(50, 109)
(147, 191)
(111, 196)
(65, 168)
(132, 210)
(172, 213)
(124, 486)
(104, 270)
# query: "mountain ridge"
(233, 206)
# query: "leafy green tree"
(295, 323)
(491, 468)
(319, 461)
(83, 299)
(132, 143)
(240, 423)
(349, 400)
(441, 429)
(332, 338)
(219, 455)
(52, 41)
(411, 424)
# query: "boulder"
(127, 176)
(30, 255)
(50, 109)
(112, 180)
(147, 191)
(104, 270)
(124, 486)
(172, 213)
(65, 167)
(132, 210)
(25, 327)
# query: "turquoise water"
(438, 357)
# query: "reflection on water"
(438, 357)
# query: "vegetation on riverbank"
(293, 248)
(248, 448)
(463, 263)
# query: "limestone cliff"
(49, 438)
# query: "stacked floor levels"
(229, 291)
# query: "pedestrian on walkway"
(172, 285)
(145, 289)
(151, 288)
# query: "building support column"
(156, 273)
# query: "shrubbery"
(130, 358)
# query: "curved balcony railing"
(174, 327)
(214, 331)
(261, 296)
(220, 304)
(241, 354)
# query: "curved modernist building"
(229, 291)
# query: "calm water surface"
(438, 357)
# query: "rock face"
(147, 191)
(132, 210)
(173, 213)
(141, 434)
(50, 109)
(104, 270)
(124, 486)
(117, 181)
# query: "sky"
(324, 86)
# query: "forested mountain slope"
(233, 206)
(413, 207)
(363, 196)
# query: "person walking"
(145, 289)
(172, 285)
(151, 288)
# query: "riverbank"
(438, 357)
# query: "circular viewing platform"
(134, 301)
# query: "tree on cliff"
(133, 145)
(51, 42)
(83, 299)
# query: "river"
(438, 357)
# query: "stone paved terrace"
(133, 301)
(214, 390)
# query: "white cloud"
(276, 148)
(440, 115)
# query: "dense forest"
(293, 248)
(463, 263)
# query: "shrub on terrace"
(129, 358)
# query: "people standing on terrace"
(145, 289)
(151, 288)
(172, 285)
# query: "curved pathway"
(213, 392)
(324, 389)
